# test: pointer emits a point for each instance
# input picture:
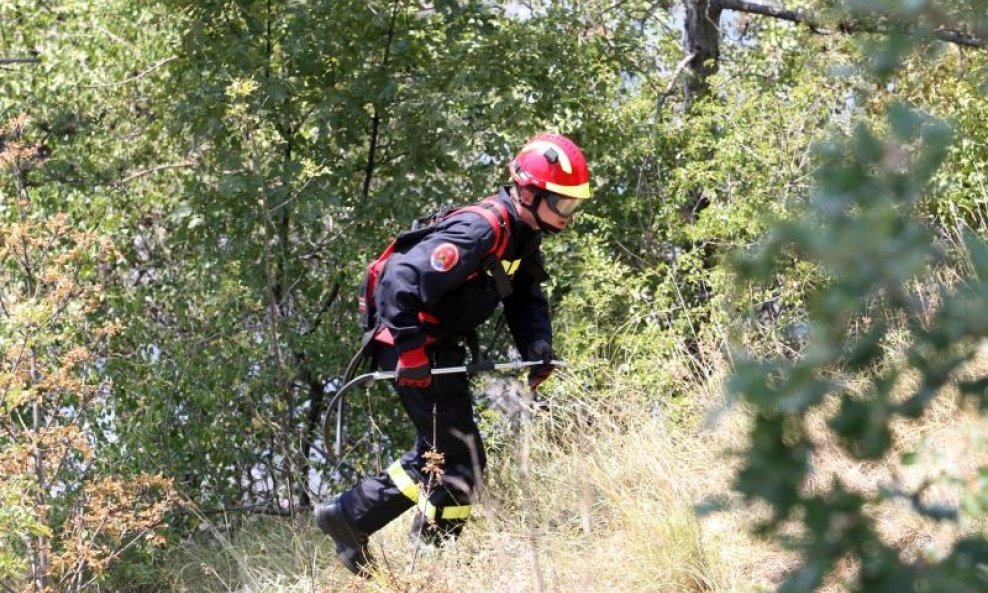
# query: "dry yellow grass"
(610, 506)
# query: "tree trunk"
(39, 553)
(701, 40)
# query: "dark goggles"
(562, 205)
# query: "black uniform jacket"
(441, 288)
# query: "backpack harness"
(490, 209)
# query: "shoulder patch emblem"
(444, 257)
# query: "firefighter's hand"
(414, 369)
(540, 350)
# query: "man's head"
(552, 178)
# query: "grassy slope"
(608, 507)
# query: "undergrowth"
(596, 495)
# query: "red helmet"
(554, 163)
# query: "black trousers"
(443, 418)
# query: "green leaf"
(904, 122)
(977, 390)
(863, 423)
(909, 458)
(977, 250)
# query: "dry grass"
(949, 448)
(610, 505)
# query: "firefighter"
(429, 299)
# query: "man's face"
(551, 217)
(546, 213)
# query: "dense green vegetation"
(191, 189)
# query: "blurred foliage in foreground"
(886, 335)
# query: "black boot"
(351, 543)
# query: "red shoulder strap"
(496, 214)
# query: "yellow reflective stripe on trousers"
(460, 512)
(429, 510)
(409, 488)
(403, 481)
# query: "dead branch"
(19, 60)
(849, 26)
(137, 76)
(155, 169)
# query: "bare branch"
(25, 60)
(376, 119)
(155, 169)
(802, 17)
(137, 76)
(326, 304)
(672, 81)
(796, 16)
(614, 6)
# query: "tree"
(701, 44)
(702, 29)
(63, 521)
(318, 130)
(861, 228)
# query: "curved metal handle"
(368, 379)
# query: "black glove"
(540, 350)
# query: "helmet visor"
(562, 205)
